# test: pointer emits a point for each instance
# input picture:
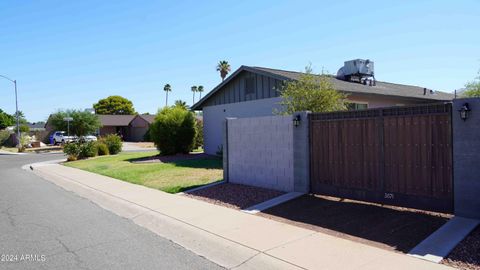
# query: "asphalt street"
(43, 226)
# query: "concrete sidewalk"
(228, 237)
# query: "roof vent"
(358, 70)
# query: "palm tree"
(167, 88)
(194, 89)
(181, 104)
(200, 90)
(224, 67)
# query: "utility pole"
(16, 106)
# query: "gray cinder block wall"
(466, 159)
(260, 152)
(301, 153)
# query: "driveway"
(42, 226)
(138, 147)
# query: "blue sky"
(69, 54)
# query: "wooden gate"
(398, 156)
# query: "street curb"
(203, 187)
(440, 243)
(222, 251)
(273, 202)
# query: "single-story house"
(253, 91)
(130, 127)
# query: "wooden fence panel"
(399, 156)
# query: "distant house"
(253, 91)
(130, 127)
(38, 126)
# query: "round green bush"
(88, 149)
(72, 150)
(173, 131)
(114, 143)
(102, 149)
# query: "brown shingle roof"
(116, 120)
(148, 117)
(381, 88)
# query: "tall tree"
(83, 122)
(114, 105)
(224, 68)
(200, 90)
(6, 120)
(194, 90)
(311, 92)
(181, 104)
(472, 89)
(167, 88)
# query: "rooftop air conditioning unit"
(358, 70)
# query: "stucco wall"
(214, 117)
(378, 101)
(260, 152)
(466, 158)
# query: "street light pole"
(16, 109)
(16, 106)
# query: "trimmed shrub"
(173, 131)
(23, 142)
(4, 136)
(113, 142)
(72, 150)
(102, 149)
(199, 134)
(24, 129)
(88, 149)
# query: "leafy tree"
(173, 131)
(21, 117)
(181, 104)
(224, 68)
(24, 128)
(6, 120)
(83, 122)
(311, 92)
(114, 105)
(194, 90)
(472, 89)
(167, 88)
(200, 90)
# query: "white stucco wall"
(214, 116)
(260, 152)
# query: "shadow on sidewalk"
(392, 228)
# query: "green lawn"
(170, 177)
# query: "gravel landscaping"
(466, 255)
(391, 228)
(234, 195)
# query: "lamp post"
(16, 106)
(68, 119)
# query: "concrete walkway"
(228, 237)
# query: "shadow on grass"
(391, 228)
(192, 160)
(178, 189)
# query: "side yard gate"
(398, 156)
